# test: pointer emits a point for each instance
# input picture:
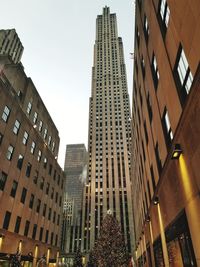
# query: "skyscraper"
(108, 185)
(165, 116)
(11, 45)
(75, 171)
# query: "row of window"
(6, 223)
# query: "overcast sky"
(58, 38)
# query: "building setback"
(31, 181)
(108, 185)
(75, 171)
(165, 123)
(11, 45)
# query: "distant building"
(75, 171)
(108, 182)
(166, 131)
(11, 45)
(31, 180)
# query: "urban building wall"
(31, 180)
(11, 45)
(109, 137)
(164, 121)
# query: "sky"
(58, 38)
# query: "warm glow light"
(48, 255)
(186, 181)
(155, 201)
(163, 239)
(20, 246)
(151, 232)
(35, 256)
(1, 242)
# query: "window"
(167, 128)
(1, 138)
(38, 206)
(33, 145)
(34, 231)
(149, 106)
(47, 188)
(42, 183)
(6, 220)
(49, 215)
(41, 233)
(39, 155)
(35, 178)
(155, 72)
(45, 163)
(49, 140)
(6, 113)
(9, 153)
(25, 138)
(164, 12)
(28, 169)
(183, 75)
(14, 189)
(50, 169)
(158, 160)
(27, 224)
(31, 202)
(3, 179)
(45, 133)
(35, 117)
(17, 224)
(29, 107)
(23, 195)
(16, 127)
(20, 161)
(47, 236)
(44, 210)
(40, 126)
(146, 28)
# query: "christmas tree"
(78, 259)
(110, 249)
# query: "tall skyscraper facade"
(108, 184)
(75, 172)
(11, 45)
(165, 122)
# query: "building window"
(28, 169)
(33, 145)
(146, 28)
(39, 155)
(47, 236)
(20, 161)
(6, 113)
(3, 180)
(27, 224)
(17, 224)
(42, 183)
(35, 117)
(155, 72)
(40, 126)
(149, 106)
(41, 233)
(183, 75)
(38, 206)
(164, 12)
(29, 107)
(31, 202)
(1, 138)
(158, 160)
(34, 231)
(14, 189)
(23, 195)
(45, 133)
(6, 220)
(44, 210)
(16, 127)
(167, 128)
(35, 178)
(25, 138)
(49, 215)
(10, 152)
(45, 163)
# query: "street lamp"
(177, 151)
